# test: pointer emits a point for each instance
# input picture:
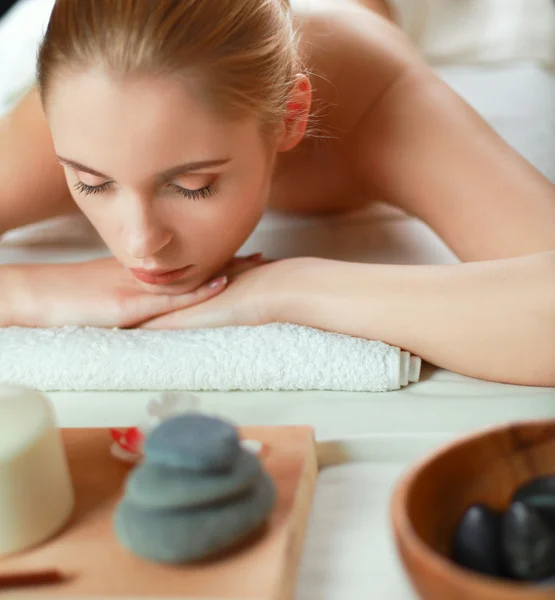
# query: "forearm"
(493, 320)
(9, 281)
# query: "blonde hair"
(241, 54)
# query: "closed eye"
(85, 189)
(205, 192)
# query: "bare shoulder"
(353, 54)
(32, 183)
(354, 51)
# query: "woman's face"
(166, 184)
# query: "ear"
(296, 116)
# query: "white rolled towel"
(268, 357)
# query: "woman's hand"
(99, 293)
(249, 299)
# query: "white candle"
(36, 492)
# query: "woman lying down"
(172, 125)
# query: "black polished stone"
(477, 541)
(541, 486)
(528, 543)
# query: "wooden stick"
(28, 578)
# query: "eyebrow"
(167, 174)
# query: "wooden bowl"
(429, 501)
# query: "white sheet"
(480, 32)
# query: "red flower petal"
(129, 438)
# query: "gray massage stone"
(193, 441)
(179, 535)
(151, 485)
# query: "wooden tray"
(263, 569)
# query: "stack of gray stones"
(196, 493)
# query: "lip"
(159, 276)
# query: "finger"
(237, 260)
(244, 265)
(152, 305)
(173, 320)
(201, 294)
(209, 314)
(246, 260)
(237, 264)
(242, 269)
(231, 263)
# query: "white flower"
(167, 405)
(170, 404)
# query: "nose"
(144, 234)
